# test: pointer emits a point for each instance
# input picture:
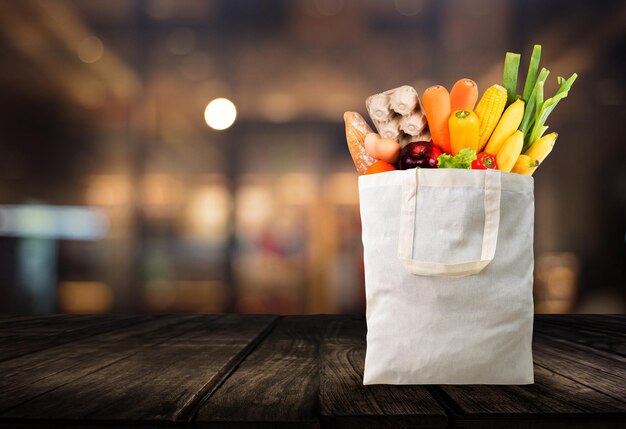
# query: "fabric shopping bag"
(448, 257)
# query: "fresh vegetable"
(525, 165)
(509, 76)
(531, 76)
(463, 159)
(380, 167)
(484, 161)
(507, 125)
(419, 154)
(542, 147)
(436, 102)
(535, 95)
(548, 106)
(505, 130)
(489, 110)
(510, 151)
(464, 126)
(463, 95)
(356, 130)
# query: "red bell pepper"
(484, 161)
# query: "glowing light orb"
(220, 113)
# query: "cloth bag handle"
(410, 187)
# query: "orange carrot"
(436, 102)
(463, 95)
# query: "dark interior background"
(115, 195)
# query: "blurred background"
(121, 191)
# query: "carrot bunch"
(439, 104)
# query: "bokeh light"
(220, 114)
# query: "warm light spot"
(208, 212)
(297, 188)
(85, 297)
(90, 49)
(342, 188)
(279, 107)
(220, 114)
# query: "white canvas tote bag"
(448, 259)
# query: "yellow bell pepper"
(464, 127)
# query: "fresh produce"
(535, 95)
(542, 147)
(464, 126)
(419, 154)
(510, 151)
(356, 130)
(489, 110)
(507, 125)
(504, 131)
(380, 167)
(484, 161)
(384, 149)
(463, 159)
(525, 165)
(531, 76)
(544, 109)
(436, 101)
(463, 95)
(509, 76)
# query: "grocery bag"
(448, 257)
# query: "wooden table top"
(237, 371)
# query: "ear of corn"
(525, 165)
(511, 118)
(489, 110)
(510, 151)
(542, 147)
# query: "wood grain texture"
(584, 336)
(35, 374)
(20, 337)
(234, 371)
(346, 403)
(580, 386)
(276, 385)
(155, 385)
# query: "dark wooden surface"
(232, 371)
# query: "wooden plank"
(50, 322)
(346, 403)
(35, 374)
(584, 338)
(591, 369)
(615, 325)
(158, 385)
(573, 387)
(276, 385)
(23, 340)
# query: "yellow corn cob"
(508, 124)
(510, 151)
(541, 148)
(525, 165)
(489, 110)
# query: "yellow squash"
(541, 148)
(525, 165)
(510, 151)
(508, 124)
